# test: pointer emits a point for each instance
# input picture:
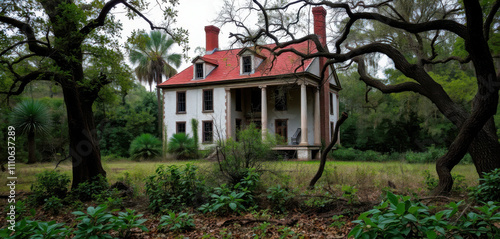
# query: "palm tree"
(154, 60)
(31, 117)
(145, 146)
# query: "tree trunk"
(327, 149)
(485, 153)
(159, 78)
(84, 146)
(31, 147)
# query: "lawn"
(371, 176)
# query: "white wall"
(194, 106)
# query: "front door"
(282, 129)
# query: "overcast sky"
(193, 15)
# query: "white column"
(264, 111)
(317, 132)
(229, 130)
(303, 114)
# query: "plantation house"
(228, 89)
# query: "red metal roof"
(228, 68)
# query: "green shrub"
(28, 229)
(489, 187)
(49, 184)
(126, 221)
(144, 147)
(236, 157)
(53, 205)
(182, 146)
(90, 190)
(180, 222)
(225, 200)
(95, 223)
(349, 193)
(173, 188)
(238, 198)
(400, 217)
(279, 197)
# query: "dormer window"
(199, 71)
(247, 64)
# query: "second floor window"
(208, 100)
(280, 102)
(199, 71)
(247, 64)
(181, 102)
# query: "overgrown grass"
(366, 176)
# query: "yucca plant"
(31, 117)
(145, 146)
(182, 146)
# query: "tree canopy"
(74, 44)
(416, 37)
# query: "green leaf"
(392, 198)
(410, 217)
(400, 209)
(431, 234)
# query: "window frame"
(248, 64)
(331, 103)
(177, 102)
(204, 103)
(197, 71)
(177, 123)
(204, 132)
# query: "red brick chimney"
(212, 37)
(319, 23)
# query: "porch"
(289, 110)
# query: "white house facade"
(225, 90)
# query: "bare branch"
(489, 19)
(27, 30)
(402, 87)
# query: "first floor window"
(331, 103)
(208, 134)
(331, 130)
(181, 127)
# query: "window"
(207, 131)
(199, 71)
(256, 100)
(208, 100)
(238, 128)
(238, 99)
(181, 127)
(181, 102)
(331, 130)
(247, 64)
(280, 101)
(282, 129)
(331, 103)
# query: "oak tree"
(74, 44)
(470, 22)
